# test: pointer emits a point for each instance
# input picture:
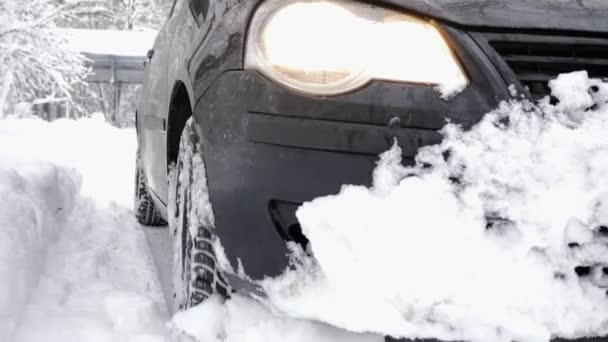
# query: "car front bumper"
(267, 150)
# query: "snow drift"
(497, 234)
(35, 199)
(98, 283)
(242, 319)
(74, 265)
(103, 154)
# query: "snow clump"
(74, 263)
(499, 233)
(242, 319)
(35, 200)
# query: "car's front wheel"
(196, 275)
(145, 210)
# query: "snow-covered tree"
(118, 14)
(143, 13)
(36, 66)
(114, 15)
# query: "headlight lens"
(328, 47)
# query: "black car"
(286, 100)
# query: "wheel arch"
(180, 110)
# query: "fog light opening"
(582, 271)
(283, 216)
(296, 235)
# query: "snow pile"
(98, 283)
(449, 91)
(497, 234)
(104, 154)
(242, 319)
(73, 268)
(35, 200)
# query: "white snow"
(110, 42)
(419, 258)
(449, 90)
(104, 154)
(74, 265)
(35, 200)
(242, 319)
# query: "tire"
(196, 273)
(144, 207)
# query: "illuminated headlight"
(328, 47)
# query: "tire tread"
(145, 210)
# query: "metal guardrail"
(116, 69)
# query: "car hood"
(578, 15)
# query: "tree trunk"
(5, 88)
(103, 100)
(116, 104)
(130, 14)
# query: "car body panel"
(180, 52)
(194, 62)
(574, 15)
(221, 48)
(154, 103)
(176, 43)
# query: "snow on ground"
(242, 319)
(74, 265)
(35, 201)
(497, 234)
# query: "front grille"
(536, 59)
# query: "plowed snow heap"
(500, 233)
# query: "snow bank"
(242, 319)
(73, 267)
(104, 154)
(497, 234)
(98, 283)
(35, 200)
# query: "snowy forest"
(39, 69)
